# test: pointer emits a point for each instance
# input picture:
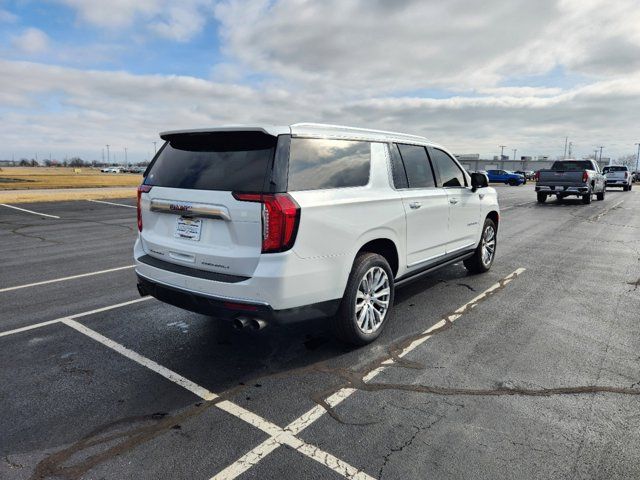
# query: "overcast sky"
(78, 74)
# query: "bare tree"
(628, 160)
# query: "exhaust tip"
(240, 323)
(257, 324)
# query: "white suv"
(268, 224)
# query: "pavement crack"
(115, 438)
(466, 285)
(399, 448)
(16, 230)
(356, 379)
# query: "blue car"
(505, 176)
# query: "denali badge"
(178, 207)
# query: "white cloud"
(178, 21)
(31, 41)
(370, 63)
(7, 17)
(374, 45)
(122, 109)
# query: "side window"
(316, 164)
(397, 168)
(450, 174)
(417, 166)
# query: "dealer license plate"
(188, 228)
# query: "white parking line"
(72, 277)
(254, 456)
(71, 317)
(112, 203)
(29, 211)
(278, 436)
(144, 361)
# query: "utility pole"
(595, 155)
(638, 157)
(125, 157)
(108, 155)
(601, 147)
(570, 147)
(566, 139)
(155, 150)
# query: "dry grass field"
(21, 178)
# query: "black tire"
(559, 198)
(345, 323)
(475, 264)
(542, 197)
(625, 188)
(513, 182)
(600, 195)
(586, 198)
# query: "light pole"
(514, 153)
(502, 147)
(601, 147)
(108, 156)
(638, 157)
(126, 163)
(566, 139)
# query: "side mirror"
(478, 180)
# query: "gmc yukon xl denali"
(265, 224)
(581, 178)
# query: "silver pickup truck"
(618, 176)
(581, 178)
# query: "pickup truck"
(506, 177)
(581, 178)
(618, 176)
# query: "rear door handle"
(453, 200)
(415, 205)
(481, 195)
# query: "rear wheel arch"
(495, 216)
(386, 248)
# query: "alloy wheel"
(488, 245)
(372, 300)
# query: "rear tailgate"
(560, 178)
(190, 216)
(617, 175)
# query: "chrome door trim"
(190, 209)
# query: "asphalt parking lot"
(529, 371)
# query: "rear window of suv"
(227, 161)
(316, 164)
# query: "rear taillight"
(536, 176)
(626, 175)
(141, 189)
(280, 218)
(585, 176)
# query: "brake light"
(626, 175)
(280, 219)
(536, 176)
(585, 176)
(141, 189)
